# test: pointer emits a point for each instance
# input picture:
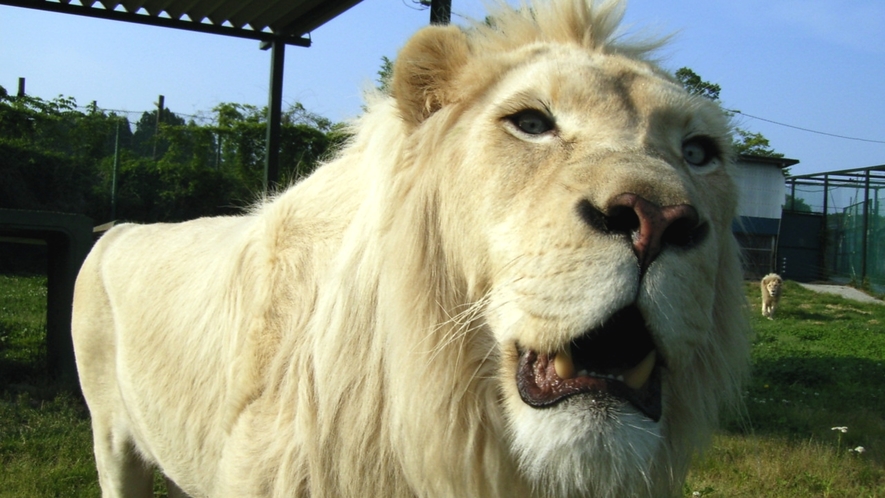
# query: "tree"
(745, 142)
(696, 86)
(796, 204)
(385, 74)
(145, 141)
(56, 155)
(49, 151)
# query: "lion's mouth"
(618, 359)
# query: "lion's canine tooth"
(563, 364)
(637, 376)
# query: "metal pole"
(21, 87)
(866, 227)
(274, 114)
(114, 174)
(440, 11)
(160, 104)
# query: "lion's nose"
(649, 227)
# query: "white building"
(760, 183)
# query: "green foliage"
(385, 74)
(696, 86)
(55, 155)
(745, 142)
(796, 204)
(754, 144)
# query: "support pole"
(114, 174)
(866, 229)
(21, 87)
(440, 11)
(274, 113)
(161, 102)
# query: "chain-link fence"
(852, 204)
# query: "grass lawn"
(819, 364)
(45, 438)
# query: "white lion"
(519, 279)
(771, 294)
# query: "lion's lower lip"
(618, 359)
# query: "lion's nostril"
(684, 232)
(622, 219)
(618, 219)
(648, 226)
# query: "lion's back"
(154, 319)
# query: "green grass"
(22, 330)
(45, 437)
(819, 364)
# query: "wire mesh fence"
(852, 205)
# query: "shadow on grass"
(801, 314)
(804, 398)
(26, 371)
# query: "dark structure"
(68, 238)
(839, 220)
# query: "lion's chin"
(570, 450)
(617, 361)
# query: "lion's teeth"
(563, 364)
(637, 376)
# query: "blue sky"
(815, 64)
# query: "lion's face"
(591, 202)
(774, 287)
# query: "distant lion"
(518, 280)
(771, 294)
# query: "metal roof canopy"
(872, 177)
(852, 178)
(275, 23)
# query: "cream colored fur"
(357, 335)
(771, 294)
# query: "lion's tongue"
(634, 378)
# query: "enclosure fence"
(852, 236)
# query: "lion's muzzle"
(648, 226)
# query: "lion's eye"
(531, 122)
(699, 151)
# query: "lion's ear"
(424, 70)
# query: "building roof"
(266, 20)
(780, 162)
